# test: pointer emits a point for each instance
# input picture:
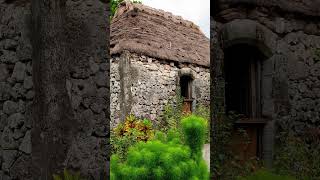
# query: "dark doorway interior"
(243, 77)
(186, 93)
(243, 95)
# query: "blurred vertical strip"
(70, 41)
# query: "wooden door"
(245, 146)
(187, 106)
(186, 88)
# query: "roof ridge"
(144, 30)
(127, 6)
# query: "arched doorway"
(240, 40)
(243, 67)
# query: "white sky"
(196, 11)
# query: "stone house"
(265, 63)
(154, 55)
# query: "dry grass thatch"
(140, 29)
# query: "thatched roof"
(155, 33)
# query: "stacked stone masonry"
(292, 67)
(149, 84)
(16, 92)
(151, 49)
(87, 86)
(295, 63)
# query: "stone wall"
(143, 85)
(16, 91)
(301, 7)
(300, 62)
(295, 62)
(291, 43)
(87, 86)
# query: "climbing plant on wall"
(115, 4)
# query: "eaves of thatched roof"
(144, 30)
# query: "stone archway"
(248, 32)
(245, 31)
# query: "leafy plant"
(173, 113)
(223, 131)
(165, 157)
(204, 112)
(298, 155)
(128, 133)
(194, 130)
(115, 5)
(265, 175)
(226, 164)
(67, 175)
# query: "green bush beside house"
(168, 156)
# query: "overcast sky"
(196, 11)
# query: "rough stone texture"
(143, 85)
(15, 57)
(291, 43)
(155, 33)
(85, 138)
(87, 86)
(302, 7)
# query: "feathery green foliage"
(194, 129)
(204, 112)
(67, 175)
(165, 157)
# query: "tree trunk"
(53, 121)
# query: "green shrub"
(265, 175)
(67, 175)
(170, 136)
(165, 157)
(158, 160)
(173, 113)
(204, 112)
(128, 133)
(194, 129)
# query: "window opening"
(186, 93)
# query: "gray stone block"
(10, 107)
(19, 72)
